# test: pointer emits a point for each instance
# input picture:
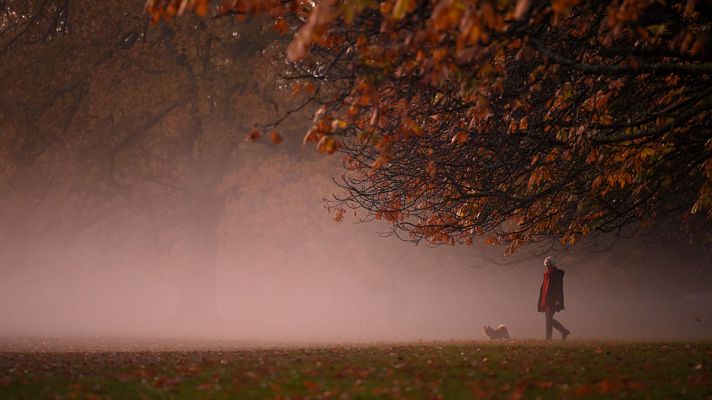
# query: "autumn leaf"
(523, 124)
(339, 214)
(253, 136)
(377, 163)
(275, 137)
(616, 84)
(280, 26)
(310, 137)
(431, 169)
(309, 88)
(327, 145)
(401, 7)
(521, 8)
(491, 240)
(459, 138)
(201, 7)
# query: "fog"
(285, 272)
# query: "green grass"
(431, 370)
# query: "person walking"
(551, 297)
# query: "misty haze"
(435, 199)
(285, 271)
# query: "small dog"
(500, 332)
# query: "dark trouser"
(551, 322)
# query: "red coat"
(551, 294)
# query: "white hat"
(550, 262)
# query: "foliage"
(122, 139)
(466, 370)
(516, 121)
(137, 121)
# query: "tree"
(111, 127)
(516, 121)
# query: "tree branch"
(693, 69)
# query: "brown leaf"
(253, 136)
(459, 138)
(281, 27)
(275, 137)
(521, 8)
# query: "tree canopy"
(512, 120)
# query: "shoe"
(565, 334)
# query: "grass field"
(503, 370)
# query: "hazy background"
(131, 206)
(286, 272)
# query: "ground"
(449, 370)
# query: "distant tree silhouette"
(111, 127)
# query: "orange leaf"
(521, 8)
(281, 26)
(401, 8)
(327, 145)
(309, 88)
(523, 124)
(459, 138)
(311, 136)
(430, 168)
(275, 137)
(377, 163)
(253, 135)
(201, 7)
